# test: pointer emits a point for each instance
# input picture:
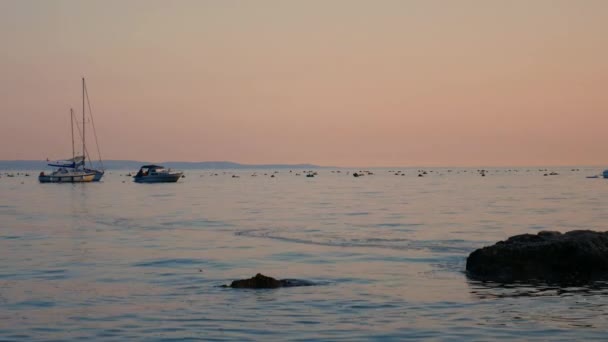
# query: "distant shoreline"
(218, 165)
(134, 164)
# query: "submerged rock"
(575, 257)
(261, 281)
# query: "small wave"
(137, 224)
(169, 262)
(118, 222)
(437, 246)
(358, 213)
(196, 223)
(162, 195)
(394, 225)
(485, 290)
(50, 274)
(35, 303)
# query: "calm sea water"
(122, 261)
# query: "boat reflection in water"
(156, 174)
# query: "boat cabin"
(150, 170)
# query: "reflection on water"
(118, 261)
(560, 307)
(486, 290)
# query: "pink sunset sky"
(342, 83)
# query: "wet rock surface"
(260, 281)
(575, 257)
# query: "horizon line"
(327, 166)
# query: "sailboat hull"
(98, 174)
(67, 178)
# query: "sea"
(121, 261)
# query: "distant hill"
(133, 165)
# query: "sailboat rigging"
(68, 171)
(99, 172)
(74, 170)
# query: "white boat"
(74, 170)
(69, 170)
(156, 174)
(65, 175)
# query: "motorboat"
(157, 174)
(605, 174)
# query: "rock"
(261, 281)
(575, 257)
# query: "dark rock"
(261, 281)
(575, 257)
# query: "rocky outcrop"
(261, 281)
(575, 257)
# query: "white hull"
(79, 177)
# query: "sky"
(329, 82)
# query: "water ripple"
(438, 246)
(116, 261)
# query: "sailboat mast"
(72, 126)
(83, 141)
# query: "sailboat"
(69, 170)
(74, 170)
